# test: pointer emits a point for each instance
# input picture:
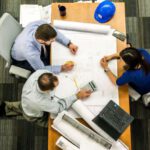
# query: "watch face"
(106, 70)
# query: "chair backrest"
(9, 30)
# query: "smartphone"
(119, 35)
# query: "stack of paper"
(30, 13)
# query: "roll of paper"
(65, 129)
(65, 144)
(78, 133)
(82, 110)
(82, 27)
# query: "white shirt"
(35, 102)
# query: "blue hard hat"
(105, 11)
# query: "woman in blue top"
(137, 69)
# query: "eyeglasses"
(49, 42)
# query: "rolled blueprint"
(64, 144)
(82, 27)
(78, 133)
(68, 131)
(83, 111)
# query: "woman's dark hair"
(133, 58)
(45, 32)
(46, 81)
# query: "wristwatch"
(106, 69)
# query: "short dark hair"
(133, 57)
(46, 81)
(45, 32)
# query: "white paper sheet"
(92, 47)
(30, 13)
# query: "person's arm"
(60, 68)
(124, 79)
(111, 76)
(36, 63)
(54, 107)
(108, 72)
(61, 38)
(111, 57)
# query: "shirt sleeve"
(61, 38)
(124, 79)
(54, 107)
(36, 63)
(54, 69)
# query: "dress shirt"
(35, 102)
(26, 47)
(137, 78)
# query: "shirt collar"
(38, 45)
(39, 90)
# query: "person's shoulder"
(145, 53)
(131, 73)
(142, 50)
(34, 76)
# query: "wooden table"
(83, 12)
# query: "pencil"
(76, 83)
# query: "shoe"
(2, 109)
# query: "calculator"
(91, 86)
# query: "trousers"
(15, 109)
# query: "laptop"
(113, 120)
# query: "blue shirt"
(26, 47)
(137, 78)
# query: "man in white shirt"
(38, 99)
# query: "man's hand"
(67, 66)
(82, 94)
(73, 48)
(104, 63)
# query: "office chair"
(9, 30)
(135, 96)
